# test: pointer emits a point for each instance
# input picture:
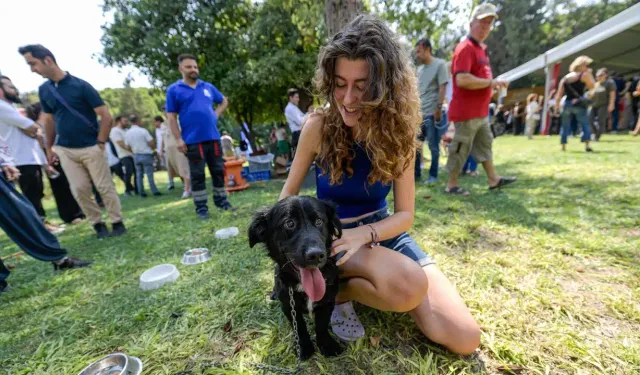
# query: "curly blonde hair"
(391, 105)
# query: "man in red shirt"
(473, 86)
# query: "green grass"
(550, 267)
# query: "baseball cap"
(483, 11)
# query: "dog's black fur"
(298, 232)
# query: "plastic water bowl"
(155, 277)
(196, 256)
(114, 364)
(225, 233)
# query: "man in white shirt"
(177, 163)
(124, 154)
(142, 145)
(161, 155)
(295, 117)
(20, 134)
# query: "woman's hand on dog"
(350, 242)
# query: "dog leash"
(265, 367)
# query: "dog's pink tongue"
(313, 283)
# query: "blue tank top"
(354, 196)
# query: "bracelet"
(375, 240)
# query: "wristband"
(375, 240)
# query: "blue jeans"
(434, 132)
(144, 165)
(470, 165)
(581, 117)
(402, 243)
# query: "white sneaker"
(345, 323)
(186, 194)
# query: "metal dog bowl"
(196, 256)
(114, 364)
(155, 277)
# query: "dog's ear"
(335, 227)
(258, 227)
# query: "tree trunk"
(338, 13)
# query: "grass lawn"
(549, 267)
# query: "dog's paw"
(330, 348)
(306, 351)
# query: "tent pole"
(544, 127)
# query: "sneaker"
(203, 215)
(226, 206)
(431, 180)
(128, 194)
(171, 187)
(345, 323)
(70, 263)
(101, 230)
(52, 228)
(143, 195)
(186, 195)
(157, 194)
(4, 287)
(118, 229)
(589, 149)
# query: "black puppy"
(298, 232)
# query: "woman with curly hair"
(364, 144)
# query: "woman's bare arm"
(404, 194)
(306, 152)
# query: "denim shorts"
(403, 243)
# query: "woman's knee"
(408, 286)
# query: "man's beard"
(194, 75)
(12, 98)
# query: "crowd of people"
(365, 141)
(70, 137)
(610, 102)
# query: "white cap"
(483, 11)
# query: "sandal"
(504, 181)
(457, 190)
(345, 323)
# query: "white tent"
(614, 44)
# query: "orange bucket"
(233, 174)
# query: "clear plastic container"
(260, 163)
(225, 233)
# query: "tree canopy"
(254, 51)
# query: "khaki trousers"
(83, 165)
(177, 161)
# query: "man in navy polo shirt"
(79, 140)
(192, 100)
